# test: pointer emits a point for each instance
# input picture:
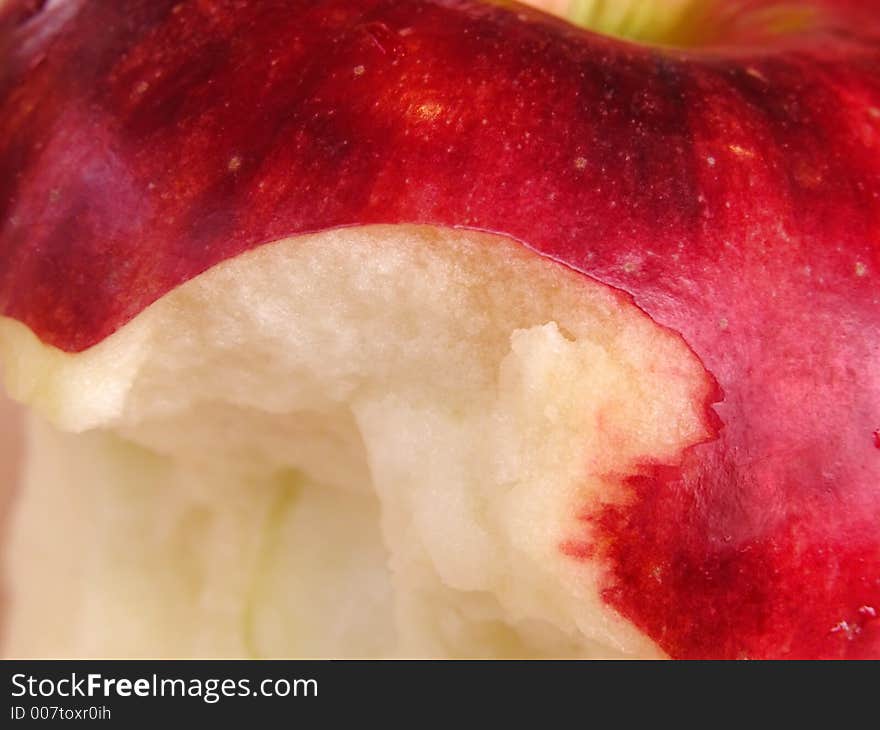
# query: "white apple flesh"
(378, 441)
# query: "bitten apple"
(443, 328)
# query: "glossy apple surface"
(732, 191)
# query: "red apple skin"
(733, 193)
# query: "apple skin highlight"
(732, 192)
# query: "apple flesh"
(483, 401)
(732, 192)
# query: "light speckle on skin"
(359, 70)
(405, 32)
(711, 161)
(845, 628)
(234, 163)
(580, 163)
(629, 267)
(723, 323)
(874, 112)
(428, 111)
(740, 151)
(755, 73)
(861, 269)
(140, 88)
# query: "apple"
(10, 448)
(443, 328)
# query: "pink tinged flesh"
(735, 197)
